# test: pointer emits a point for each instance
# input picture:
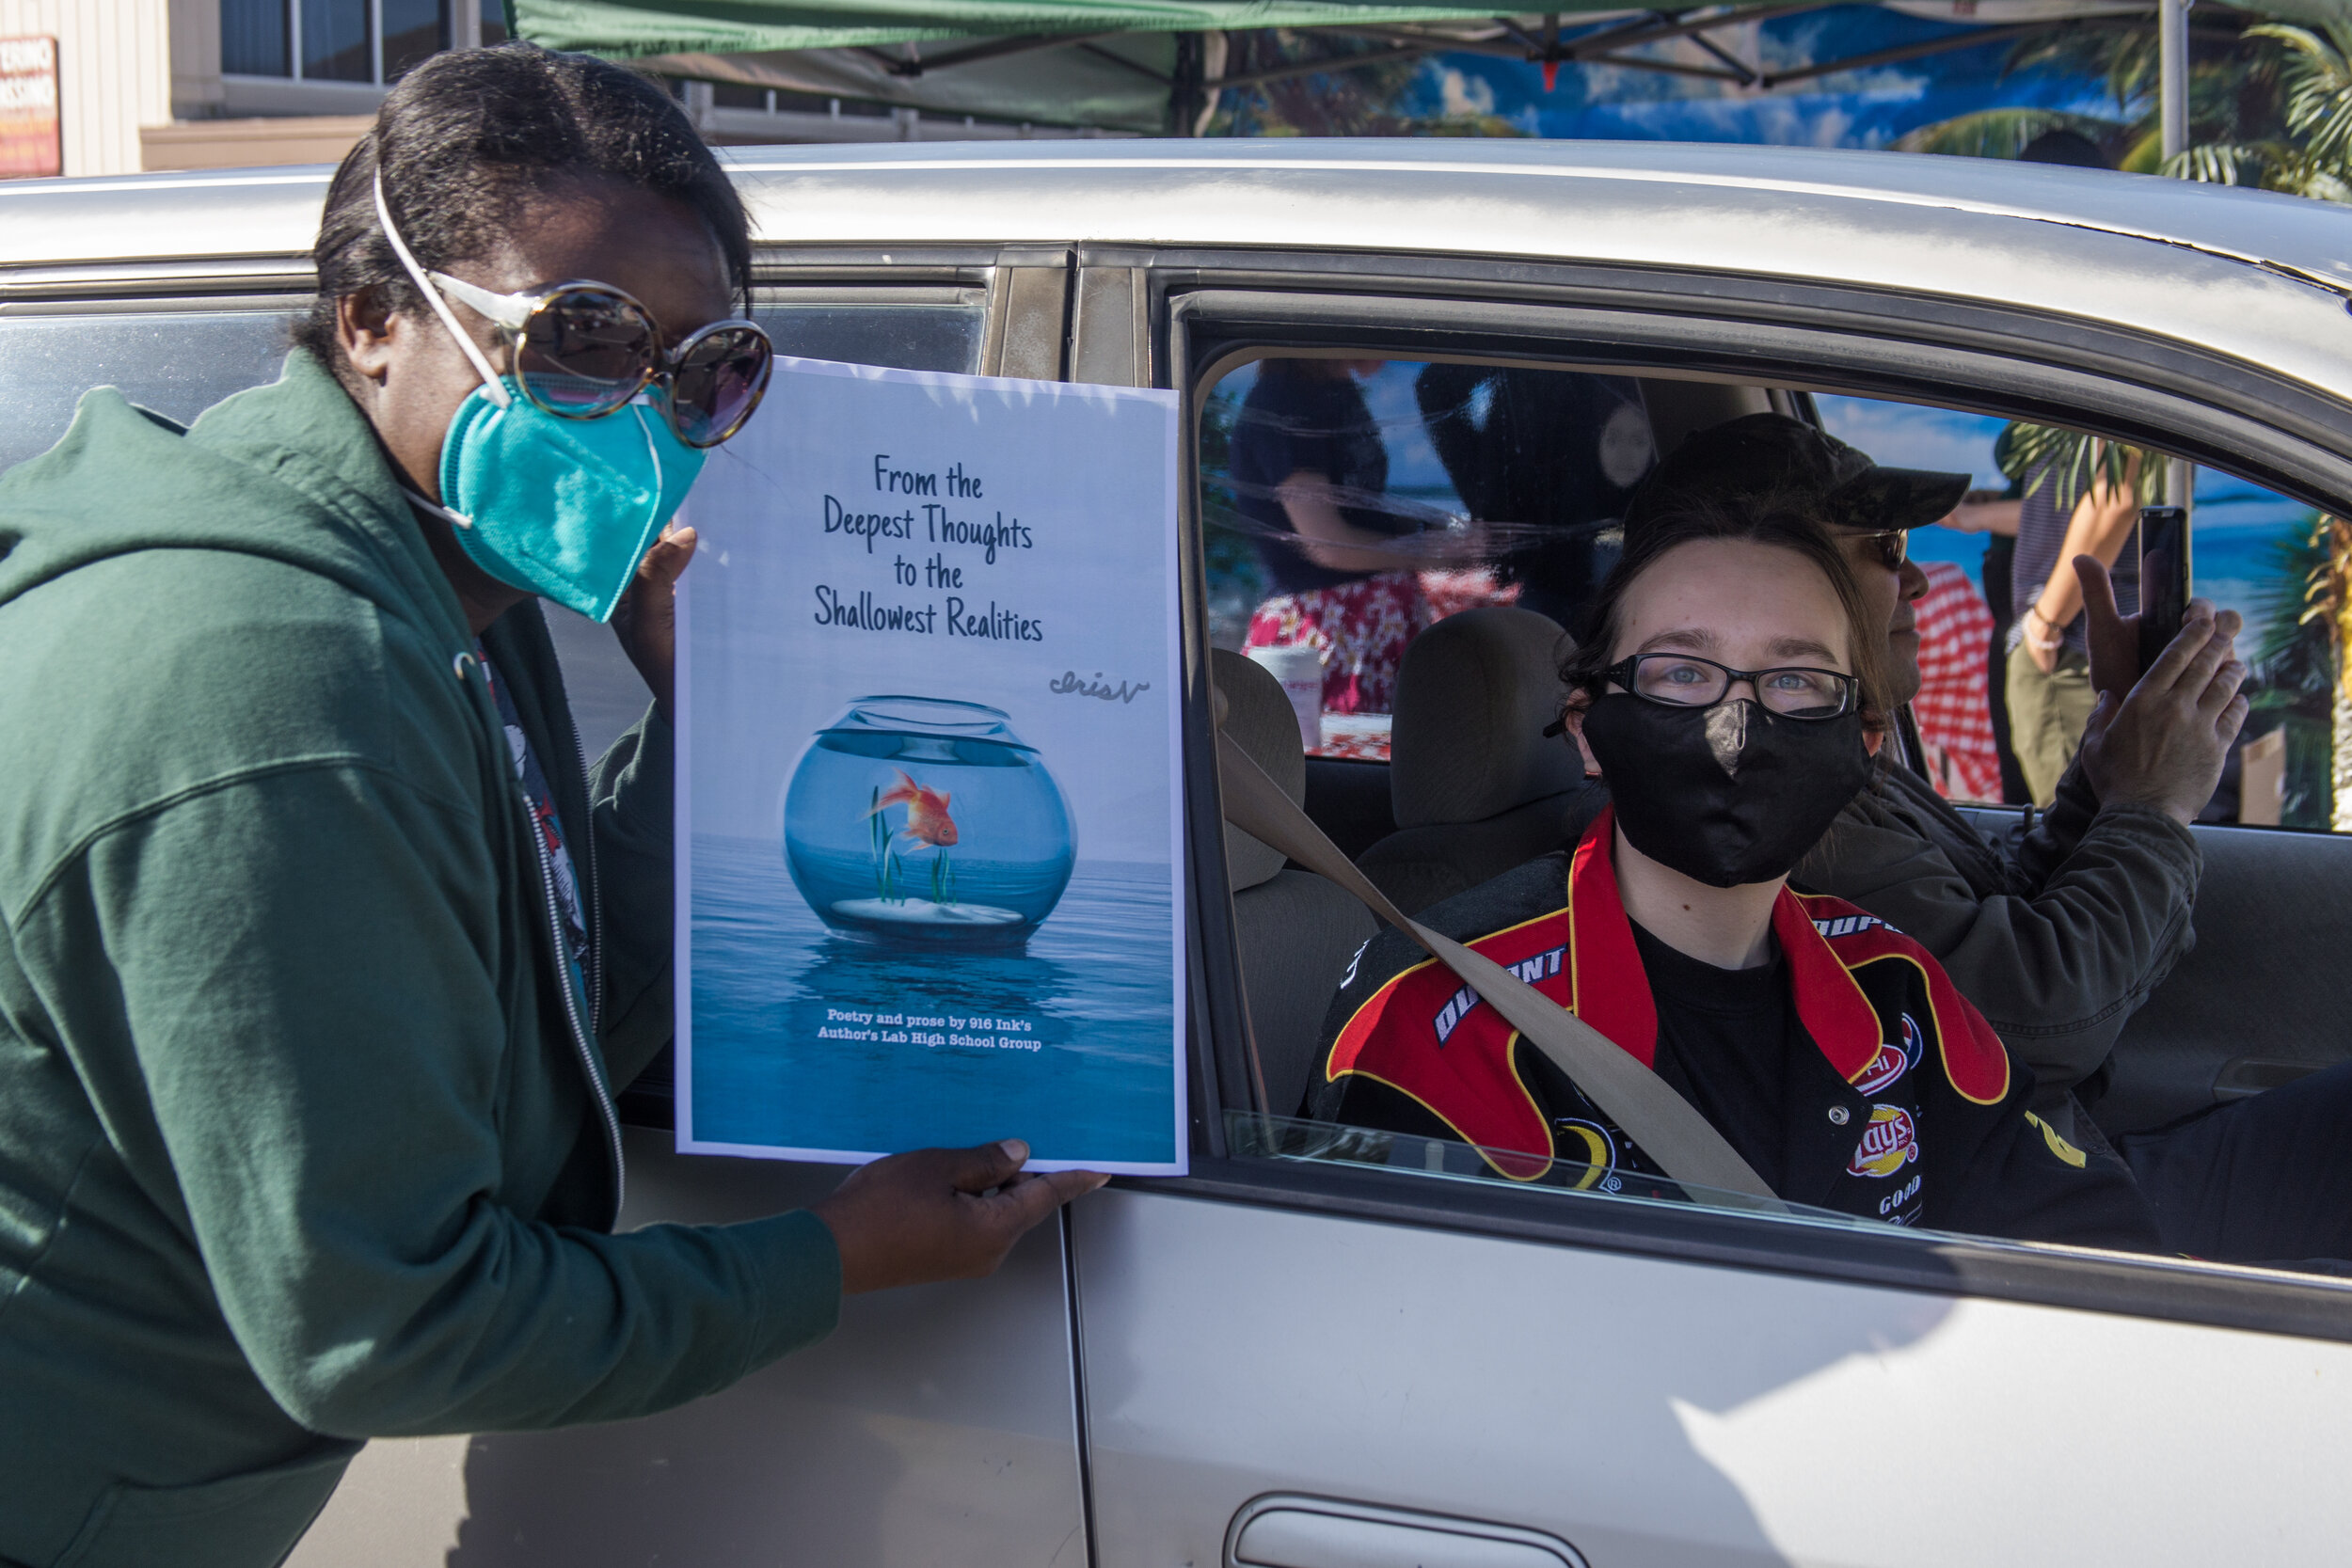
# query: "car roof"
(2257, 276)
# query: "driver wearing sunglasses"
(328, 953)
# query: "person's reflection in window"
(1546, 460)
(1310, 470)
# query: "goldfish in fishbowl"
(925, 820)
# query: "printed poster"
(928, 819)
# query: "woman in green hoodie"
(322, 955)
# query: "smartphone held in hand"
(2164, 579)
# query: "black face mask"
(1725, 795)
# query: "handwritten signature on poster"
(1070, 683)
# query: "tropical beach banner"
(929, 829)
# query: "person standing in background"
(2048, 675)
(1545, 462)
(1994, 515)
(2047, 678)
(1308, 462)
(1953, 707)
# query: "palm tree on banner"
(2312, 157)
(2272, 110)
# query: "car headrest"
(1254, 710)
(1473, 699)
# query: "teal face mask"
(563, 508)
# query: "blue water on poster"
(1094, 986)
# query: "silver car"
(1318, 1351)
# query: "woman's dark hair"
(469, 137)
(1782, 523)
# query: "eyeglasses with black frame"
(1686, 680)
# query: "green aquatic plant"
(885, 854)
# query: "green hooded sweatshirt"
(298, 1144)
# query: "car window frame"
(1212, 312)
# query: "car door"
(1316, 1350)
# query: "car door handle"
(1326, 1532)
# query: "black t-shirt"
(1292, 423)
(1725, 1040)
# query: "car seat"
(1476, 785)
(1294, 930)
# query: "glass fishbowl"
(926, 821)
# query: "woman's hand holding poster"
(929, 819)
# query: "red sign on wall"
(29, 143)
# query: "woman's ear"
(1572, 720)
(364, 328)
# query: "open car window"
(2254, 552)
(1353, 501)
(1349, 504)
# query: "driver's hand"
(941, 1213)
(2163, 744)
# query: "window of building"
(365, 41)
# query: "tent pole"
(2172, 110)
(1187, 91)
(2172, 68)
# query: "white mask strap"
(490, 381)
(416, 497)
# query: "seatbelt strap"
(1669, 1129)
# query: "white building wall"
(114, 73)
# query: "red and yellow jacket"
(1908, 1109)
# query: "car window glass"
(176, 363)
(1290, 1138)
(943, 337)
(1350, 504)
(2252, 550)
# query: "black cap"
(1771, 455)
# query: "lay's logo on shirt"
(1889, 1143)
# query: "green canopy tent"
(1157, 66)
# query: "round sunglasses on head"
(582, 350)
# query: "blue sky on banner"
(2239, 527)
(1867, 108)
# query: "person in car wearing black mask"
(1732, 696)
(2060, 935)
